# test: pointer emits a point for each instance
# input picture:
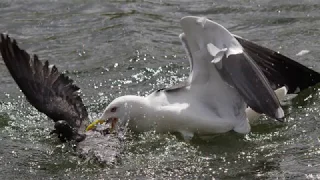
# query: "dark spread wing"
(49, 91)
(240, 71)
(279, 69)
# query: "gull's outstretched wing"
(279, 69)
(49, 91)
(209, 41)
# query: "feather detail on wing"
(49, 91)
(279, 69)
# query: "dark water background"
(112, 48)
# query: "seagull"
(232, 81)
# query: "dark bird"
(49, 91)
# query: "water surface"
(113, 48)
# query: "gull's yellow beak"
(94, 124)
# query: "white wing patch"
(213, 50)
(234, 50)
(216, 53)
(202, 21)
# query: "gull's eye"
(114, 109)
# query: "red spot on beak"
(113, 122)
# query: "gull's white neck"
(141, 114)
(136, 111)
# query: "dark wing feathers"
(49, 91)
(240, 71)
(279, 69)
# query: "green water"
(113, 48)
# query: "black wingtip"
(280, 70)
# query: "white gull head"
(123, 109)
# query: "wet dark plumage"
(49, 91)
